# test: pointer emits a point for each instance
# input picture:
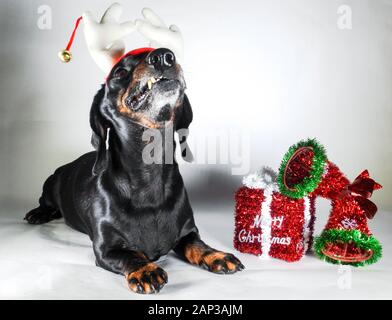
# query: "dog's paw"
(221, 262)
(147, 279)
(40, 215)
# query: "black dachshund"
(133, 212)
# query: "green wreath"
(309, 183)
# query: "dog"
(133, 212)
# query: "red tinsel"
(300, 167)
(350, 210)
(332, 183)
(269, 221)
(350, 206)
(287, 239)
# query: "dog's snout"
(161, 59)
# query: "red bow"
(362, 189)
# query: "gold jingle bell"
(65, 56)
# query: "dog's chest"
(153, 233)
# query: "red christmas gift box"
(269, 224)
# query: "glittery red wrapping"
(248, 206)
(346, 211)
(290, 234)
(287, 230)
(299, 168)
(346, 214)
(312, 221)
(332, 183)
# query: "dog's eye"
(120, 73)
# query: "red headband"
(134, 52)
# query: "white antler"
(105, 39)
(159, 35)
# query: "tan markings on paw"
(230, 265)
(139, 272)
(221, 262)
(214, 261)
(147, 279)
(210, 258)
(194, 254)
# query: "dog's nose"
(161, 59)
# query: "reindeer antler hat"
(105, 39)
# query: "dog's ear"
(184, 118)
(99, 135)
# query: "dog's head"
(145, 89)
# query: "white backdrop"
(278, 70)
(273, 71)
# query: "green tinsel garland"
(363, 241)
(309, 184)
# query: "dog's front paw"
(42, 215)
(221, 262)
(148, 279)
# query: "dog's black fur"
(133, 212)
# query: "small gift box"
(269, 224)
